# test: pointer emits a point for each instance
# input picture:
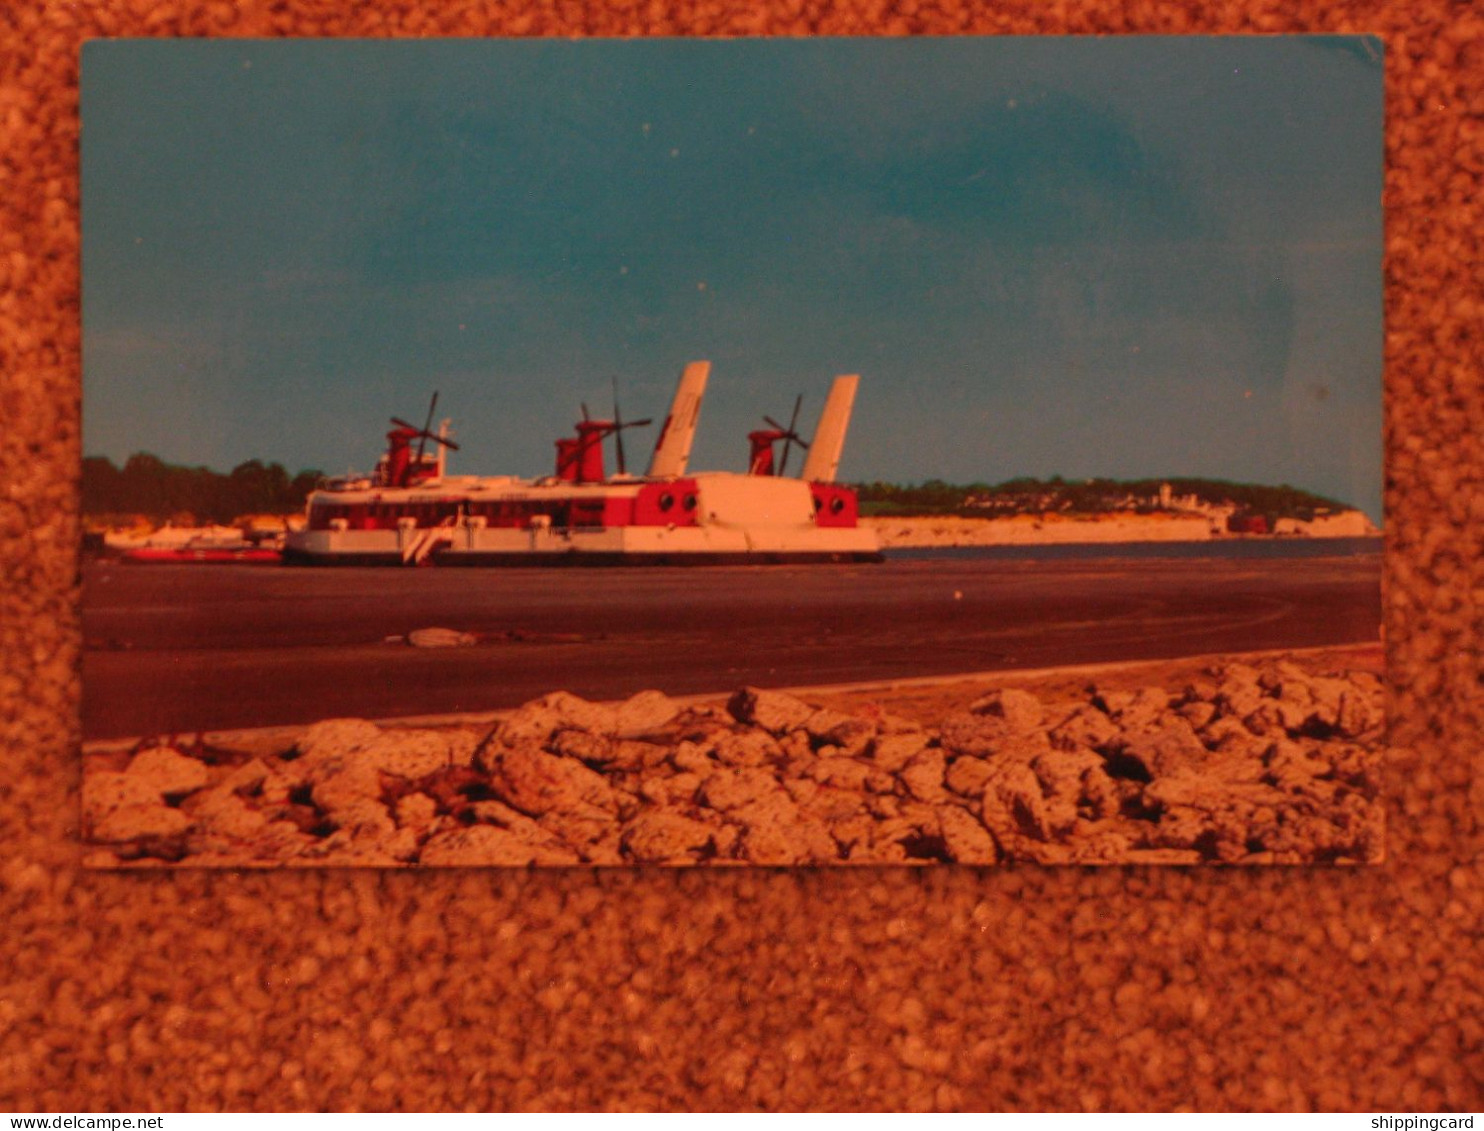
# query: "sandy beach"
(1058, 529)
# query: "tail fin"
(829, 437)
(672, 449)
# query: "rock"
(1095, 843)
(168, 772)
(530, 831)
(1361, 710)
(751, 748)
(661, 837)
(1221, 820)
(774, 831)
(1076, 779)
(536, 783)
(727, 789)
(416, 811)
(967, 776)
(281, 840)
(849, 733)
(676, 789)
(363, 818)
(923, 776)
(347, 782)
(1110, 702)
(801, 843)
(794, 749)
(594, 749)
(890, 752)
(915, 838)
(1293, 766)
(846, 773)
(831, 803)
(774, 711)
(1358, 767)
(1086, 727)
(1020, 710)
(350, 795)
(692, 757)
(1013, 804)
(222, 813)
(1283, 673)
(989, 736)
(895, 724)
(107, 791)
(1238, 692)
(410, 754)
(539, 719)
(804, 790)
(332, 739)
(460, 746)
(1145, 710)
(485, 845)
(880, 782)
(1197, 713)
(1171, 747)
(644, 713)
(136, 822)
(250, 777)
(966, 839)
(1267, 720)
(852, 832)
(632, 756)
(1228, 737)
(439, 638)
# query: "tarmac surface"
(176, 649)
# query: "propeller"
(425, 434)
(606, 428)
(790, 436)
(616, 428)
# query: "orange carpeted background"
(954, 988)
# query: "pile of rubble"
(1242, 766)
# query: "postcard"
(541, 453)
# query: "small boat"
(203, 544)
(245, 554)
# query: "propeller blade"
(790, 436)
(623, 466)
(423, 442)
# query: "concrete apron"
(288, 732)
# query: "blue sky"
(1085, 257)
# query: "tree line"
(147, 485)
(1090, 496)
